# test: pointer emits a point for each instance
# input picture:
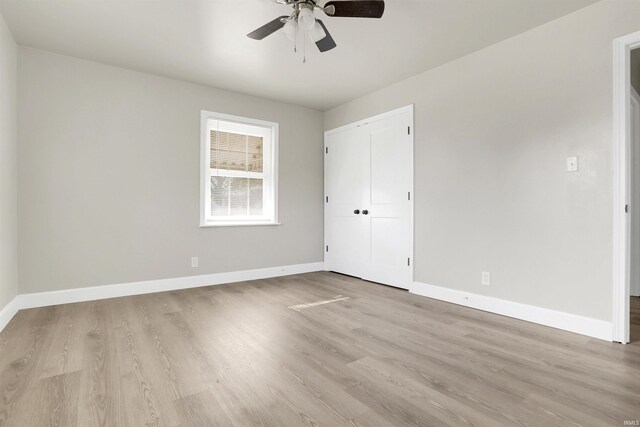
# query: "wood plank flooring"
(238, 355)
(635, 320)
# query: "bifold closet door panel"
(346, 238)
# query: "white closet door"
(345, 165)
(368, 215)
(390, 176)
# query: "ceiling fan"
(303, 18)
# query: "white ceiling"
(205, 41)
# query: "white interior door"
(388, 200)
(344, 180)
(368, 188)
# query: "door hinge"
(326, 150)
(626, 208)
(327, 199)
(409, 262)
(408, 130)
(409, 195)
(327, 248)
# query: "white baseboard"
(43, 299)
(556, 319)
(543, 316)
(7, 313)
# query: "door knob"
(357, 211)
(365, 212)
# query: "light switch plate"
(572, 164)
(194, 262)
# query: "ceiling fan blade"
(327, 43)
(355, 8)
(267, 29)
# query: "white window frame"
(244, 125)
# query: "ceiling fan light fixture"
(317, 33)
(302, 18)
(290, 29)
(306, 20)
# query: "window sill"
(238, 224)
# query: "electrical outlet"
(194, 262)
(486, 278)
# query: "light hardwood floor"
(238, 355)
(635, 320)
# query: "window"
(238, 171)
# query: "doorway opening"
(626, 209)
(634, 160)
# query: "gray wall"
(109, 178)
(493, 132)
(8, 167)
(635, 69)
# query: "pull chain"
(295, 41)
(304, 48)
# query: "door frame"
(621, 184)
(402, 110)
(633, 176)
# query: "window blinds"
(233, 194)
(232, 151)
